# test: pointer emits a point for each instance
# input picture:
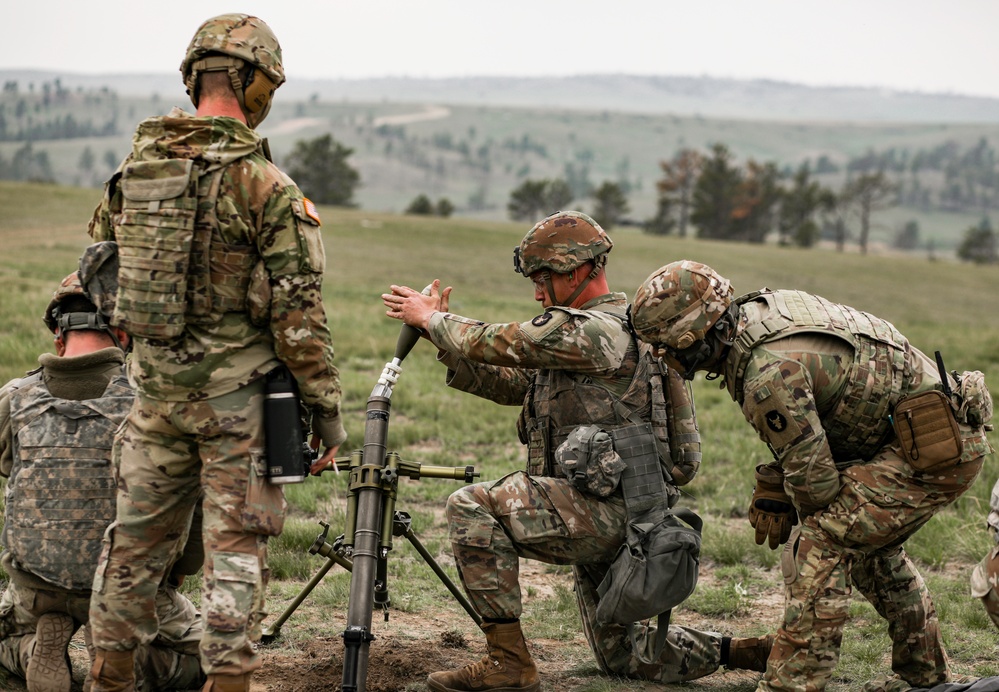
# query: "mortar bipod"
(338, 552)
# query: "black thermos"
(284, 439)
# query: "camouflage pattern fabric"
(493, 524)
(678, 304)
(259, 209)
(562, 242)
(170, 662)
(197, 425)
(985, 577)
(856, 513)
(171, 452)
(61, 493)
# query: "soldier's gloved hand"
(770, 511)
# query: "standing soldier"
(822, 384)
(574, 368)
(56, 430)
(221, 273)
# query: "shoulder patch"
(305, 210)
(542, 320)
(310, 210)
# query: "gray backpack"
(656, 569)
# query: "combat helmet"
(245, 48)
(677, 306)
(561, 243)
(96, 281)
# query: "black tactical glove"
(771, 512)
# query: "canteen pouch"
(587, 458)
(975, 407)
(655, 570)
(927, 430)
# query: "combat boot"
(49, 669)
(113, 671)
(228, 683)
(506, 668)
(750, 653)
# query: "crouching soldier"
(57, 426)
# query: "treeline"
(51, 111)
(710, 195)
(946, 177)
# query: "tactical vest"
(858, 426)
(61, 492)
(558, 401)
(175, 268)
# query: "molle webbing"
(174, 268)
(878, 377)
(61, 492)
(642, 484)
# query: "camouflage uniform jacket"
(566, 367)
(817, 381)
(81, 400)
(260, 210)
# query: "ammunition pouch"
(927, 430)
(588, 460)
(974, 400)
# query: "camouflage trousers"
(856, 541)
(170, 454)
(169, 662)
(985, 584)
(494, 524)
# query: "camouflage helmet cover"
(239, 36)
(70, 286)
(562, 242)
(677, 305)
(96, 281)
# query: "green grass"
(938, 305)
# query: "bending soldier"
(575, 365)
(985, 578)
(821, 384)
(222, 263)
(56, 430)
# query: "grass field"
(938, 305)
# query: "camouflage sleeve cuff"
(459, 374)
(330, 430)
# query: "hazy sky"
(922, 45)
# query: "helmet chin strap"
(579, 289)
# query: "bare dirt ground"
(411, 645)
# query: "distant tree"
(867, 194)
(87, 160)
(611, 204)
(799, 204)
(825, 165)
(756, 199)
(664, 221)
(527, 201)
(715, 195)
(908, 236)
(320, 168)
(421, 204)
(533, 199)
(444, 207)
(979, 244)
(111, 159)
(28, 164)
(558, 195)
(676, 189)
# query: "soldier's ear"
(60, 343)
